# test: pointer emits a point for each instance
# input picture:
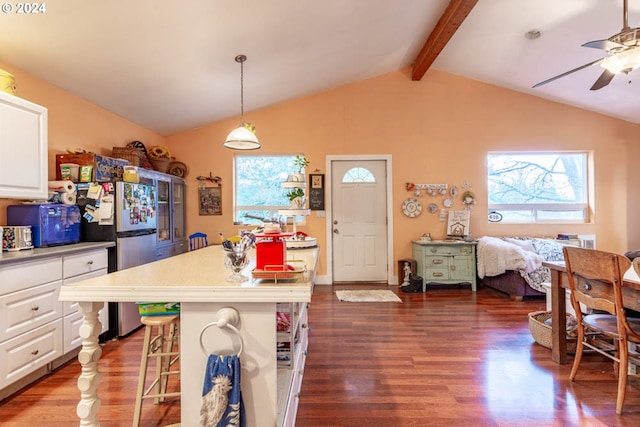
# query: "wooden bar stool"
(161, 347)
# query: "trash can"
(401, 272)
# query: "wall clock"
(411, 207)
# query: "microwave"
(51, 224)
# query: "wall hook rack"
(203, 180)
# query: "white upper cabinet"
(23, 149)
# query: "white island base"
(196, 280)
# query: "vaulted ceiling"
(169, 66)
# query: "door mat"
(371, 295)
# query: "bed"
(513, 265)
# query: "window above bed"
(538, 187)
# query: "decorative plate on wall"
(433, 208)
(411, 207)
(447, 203)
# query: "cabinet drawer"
(22, 355)
(86, 262)
(437, 262)
(16, 277)
(436, 274)
(448, 249)
(24, 310)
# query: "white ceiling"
(169, 65)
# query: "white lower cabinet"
(36, 329)
(30, 351)
(30, 317)
(76, 268)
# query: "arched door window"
(358, 175)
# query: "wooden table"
(559, 282)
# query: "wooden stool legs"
(160, 347)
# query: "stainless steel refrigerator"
(125, 213)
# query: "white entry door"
(359, 214)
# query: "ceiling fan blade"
(604, 79)
(597, 61)
(606, 44)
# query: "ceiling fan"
(623, 54)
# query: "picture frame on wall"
(316, 192)
(210, 200)
(458, 223)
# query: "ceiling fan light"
(242, 138)
(625, 61)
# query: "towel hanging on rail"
(222, 404)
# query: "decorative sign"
(495, 216)
(316, 192)
(458, 224)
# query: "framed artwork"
(210, 200)
(458, 223)
(316, 192)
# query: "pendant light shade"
(242, 137)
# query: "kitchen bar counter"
(39, 253)
(196, 280)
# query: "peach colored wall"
(438, 130)
(75, 122)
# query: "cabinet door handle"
(437, 274)
(35, 308)
(35, 352)
(90, 262)
(453, 267)
(437, 261)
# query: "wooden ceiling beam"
(449, 22)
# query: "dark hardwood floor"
(447, 357)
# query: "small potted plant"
(299, 164)
(296, 198)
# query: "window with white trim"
(536, 187)
(258, 188)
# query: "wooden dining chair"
(596, 282)
(198, 241)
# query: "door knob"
(335, 231)
(335, 222)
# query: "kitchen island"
(197, 280)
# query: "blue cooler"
(51, 224)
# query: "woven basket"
(127, 153)
(161, 165)
(541, 332)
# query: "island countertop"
(197, 280)
(190, 277)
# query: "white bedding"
(496, 256)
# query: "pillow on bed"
(524, 244)
(549, 250)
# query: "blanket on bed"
(496, 256)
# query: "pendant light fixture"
(242, 137)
